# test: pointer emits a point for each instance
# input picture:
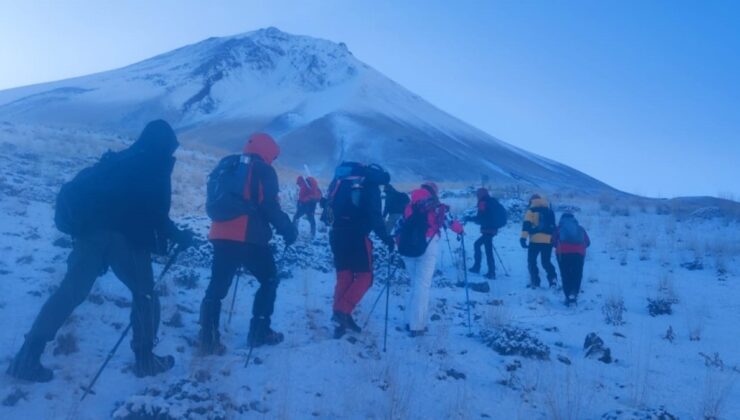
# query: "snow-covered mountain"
(322, 103)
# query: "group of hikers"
(117, 212)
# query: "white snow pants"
(421, 271)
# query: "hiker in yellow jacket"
(538, 227)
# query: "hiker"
(538, 226)
(355, 211)
(570, 241)
(117, 213)
(395, 204)
(419, 237)
(240, 238)
(309, 196)
(491, 217)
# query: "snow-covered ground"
(524, 359)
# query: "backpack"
(545, 220)
(351, 182)
(412, 239)
(498, 213)
(86, 200)
(571, 232)
(225, 189)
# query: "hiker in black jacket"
(130, 220)
(490, 219)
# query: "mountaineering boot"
(475, 269)
(149, 364)
(260, 333)
(209, 336)
(346, 321)
(351, 324)
(491, 275)
(27, 363)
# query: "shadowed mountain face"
(314, 96)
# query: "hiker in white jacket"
(424, 216)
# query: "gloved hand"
(523, 242)
(390, 243)
(184, 238)
(290, 235)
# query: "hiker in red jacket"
(420, 256)
(309, 196)
(570, 241)
(244, 242)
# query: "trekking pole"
(449, 247)
(387, 301)
(495, 251)
(465, 276)
(126, 330)
(380, 295)
(233, 299)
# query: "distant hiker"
(395, 204)
(491, 217)
(419, 236)
(243, 204)
(570, 241)
(354, 207)
(538, 226)
(117, 212)
(309, 196)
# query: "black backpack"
(346, 191)
(412, 239)
(87, 200)
(498, 213)
(225, 189)
(545, 220)
(571, 232)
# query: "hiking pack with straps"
(87, 199)
(571, 232)
(498, 214)
(545, 220)
(225, 189)
(412, 238)
(347, 189)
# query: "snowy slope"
(639, 251)
(320, 101)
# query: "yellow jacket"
(539, 207)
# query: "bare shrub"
(565, 397)
(613, 310)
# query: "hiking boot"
(27, 365)
(260, 333)
(491, 275)
(269, 337)
(339, 331)
(475, 269)
(209, 336)
(345, 321)
(149, 364)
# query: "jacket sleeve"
(586, 237)
(270, 204)
(376, 216)
(528, 223)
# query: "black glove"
(523, 243)
(184, 238)
(290, 235)
(390, 243)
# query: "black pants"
(307, 209)
(228, 256)
(92, 254)
(485, 240)
(571, 271)
(544, 251)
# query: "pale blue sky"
(643, 95)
